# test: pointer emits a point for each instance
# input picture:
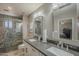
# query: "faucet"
(60, 44)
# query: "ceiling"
(19, 8)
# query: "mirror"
(65, 29)
(38, 26)
(64, 23)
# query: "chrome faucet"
(60, 44)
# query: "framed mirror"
(65, 29)
(38, 26)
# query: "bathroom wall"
(25, 26)
(45, 11)
(77, 9)
(77, 20)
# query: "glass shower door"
(2, 33)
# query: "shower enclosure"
(10, 32)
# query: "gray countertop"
(40, 46)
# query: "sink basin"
(32, 40)
(59, 52)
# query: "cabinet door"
(30, 51)
(35, 52)
(27, 49)
(40, 54)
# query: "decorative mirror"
(38, 26)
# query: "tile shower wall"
(8, 35)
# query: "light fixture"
(9, 8)
(55, 5)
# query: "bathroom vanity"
(37, 48)
(30, 50)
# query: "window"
(8, 24)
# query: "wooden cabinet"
(31, 51)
